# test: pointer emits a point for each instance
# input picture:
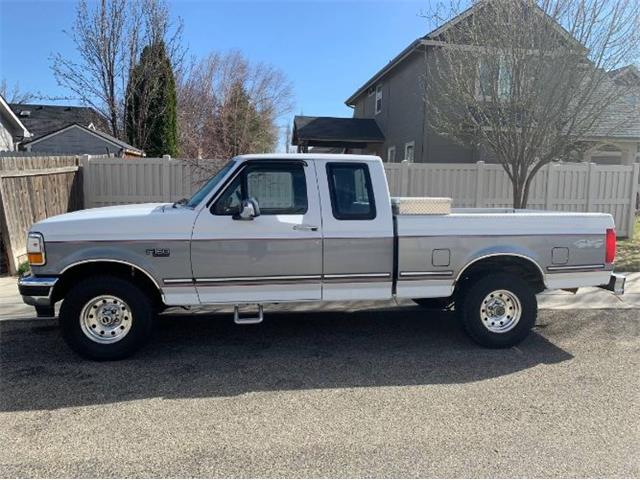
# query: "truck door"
(357, 229)
(276, 256)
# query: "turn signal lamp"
(35, 249)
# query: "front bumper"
(616, 284)
(36, 291)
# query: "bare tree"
(228, 106)
(529, 80)
(109, 38)
(15, 94)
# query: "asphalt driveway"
(387, 392)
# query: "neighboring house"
(618, 138)
(79, 139)
(394, 99)
(60, 129)
(12, 130)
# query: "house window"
(391, 154)
(504, 79)
(409, 149)
(378, 99)
(494, 76)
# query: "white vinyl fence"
(575, 187)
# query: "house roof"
(130, 149)
(433, 35)
(44, 119)
(624, 75)
(335, 131)
(621, 119)
(7, 112)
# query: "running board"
(247, 320)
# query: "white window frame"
(378, 97)
(391, 158)
(411, 144)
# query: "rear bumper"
(36, 291)
(616, 284)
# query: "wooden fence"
(33, 188)
(575, 187)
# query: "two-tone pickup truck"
(306, 228)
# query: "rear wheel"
(106, 318)
(498, 310)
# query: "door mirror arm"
(249, 209)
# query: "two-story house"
(390, 115)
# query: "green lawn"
(628, 252)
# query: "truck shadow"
(208, 356)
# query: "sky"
(327, 48)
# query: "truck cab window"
(351, 191)
(279, 190)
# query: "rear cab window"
(351, 191)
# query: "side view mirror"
(249, 210)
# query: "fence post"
(550, 186)
(479, 184)
(166, 178)
(632, 201)
(87, 180)
(591, 187)
(404, 178)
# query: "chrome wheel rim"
(106, 319)
(500, 311)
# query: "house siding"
(402, 118)
(74, 140)
(6, 137)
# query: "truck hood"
(123, 222)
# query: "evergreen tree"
(151, 105)
(240, 127)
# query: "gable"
(78, 139)
(440, 34)
(9, 118)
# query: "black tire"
(138, 302)
(473, 300)
(434, 303)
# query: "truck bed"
(568, 248)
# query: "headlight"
(35, 249)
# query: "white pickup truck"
(306, 228)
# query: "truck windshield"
(209, 186)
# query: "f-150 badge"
(158, 252)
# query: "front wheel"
(106, 318)
(499, 310)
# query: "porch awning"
(335, 132)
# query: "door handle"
(305, 228)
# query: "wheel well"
(82, 271)
(520, 266)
